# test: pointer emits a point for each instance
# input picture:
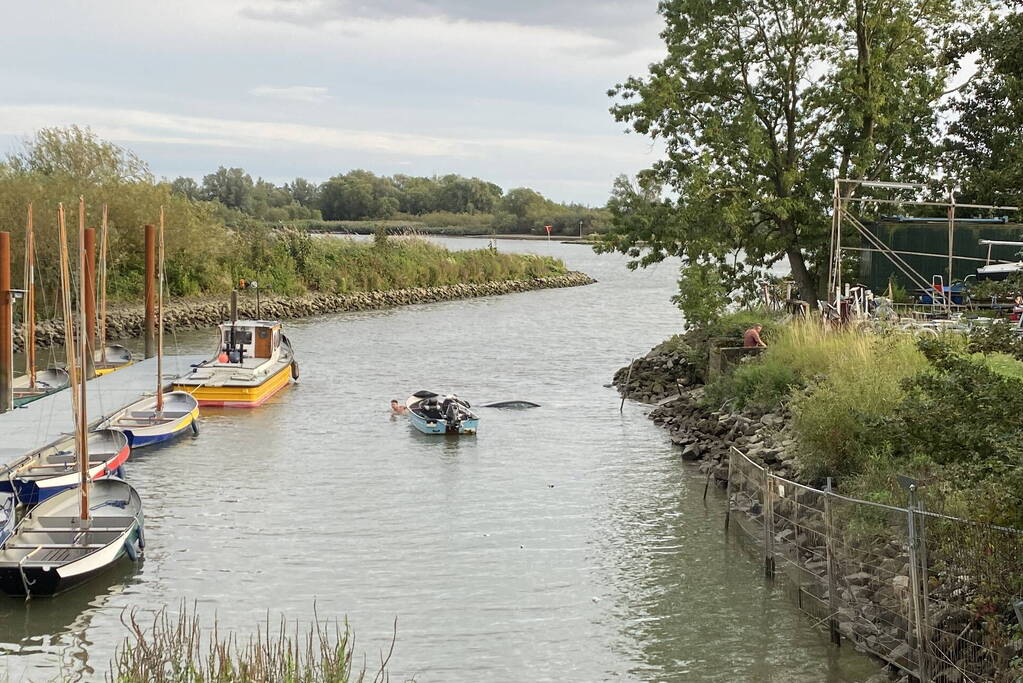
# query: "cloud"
(140, 126)
(296, 93)
(619, 21)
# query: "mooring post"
(728, 489)
(90, 302)
(829, 545)
(6, 326)
(150, 291)
(628, 378)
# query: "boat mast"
(30, 302)
(83, 419)
(104, 229)
(159, 319)
(69, 337)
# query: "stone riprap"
(125, 322)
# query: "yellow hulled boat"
(254, 361)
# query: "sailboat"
(107, 357)
(80, 532)
(34, 384)
(45, 472)
(161, 417)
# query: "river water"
(565, 543)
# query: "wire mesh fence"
(930, 594)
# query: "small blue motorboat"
(432, 413)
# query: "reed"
(177, 648)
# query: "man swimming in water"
(397, 408)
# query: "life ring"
(294, 370)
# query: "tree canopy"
(760, 105)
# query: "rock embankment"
(703, 433)
(124, 322)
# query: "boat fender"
(132, 551)
(195, 427)
(142, 537)
(294, 370)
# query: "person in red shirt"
(751, 338)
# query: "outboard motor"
(453, 416)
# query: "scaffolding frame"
(845, 194)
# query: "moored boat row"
(77, 514)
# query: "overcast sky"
(514, 92)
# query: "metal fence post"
(768, 496)
(728, 490)
(914, 582)
(836, 636)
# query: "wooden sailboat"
(34, 384)
(107, 357)
(54, 468)
(80, 532)
(162, 417)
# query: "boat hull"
(228, 396)
(34, 491)
(429, 426)
(177, 403)
(30, 563)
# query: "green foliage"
(758, 116)
(1009, 288)
(997, 337)
(210, 246)
(701, 293)
(985, 151)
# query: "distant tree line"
(361, 195)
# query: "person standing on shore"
(751, 338)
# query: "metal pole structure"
(6, 326)
(914, 581)
(728, 490)
(89, 277)
(29, 284)
(951, 242)
(150, 292)
(580, 228)
(829, 543)
(768, 526)
(628, 378)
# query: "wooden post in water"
(101, 342)
(29, 283)
(89, 282)
(159, 322)
(6, 326)
(150, 291)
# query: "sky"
(512, 92)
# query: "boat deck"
(48, 419)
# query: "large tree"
(985, 140)
(760, 105)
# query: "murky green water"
(566, 543)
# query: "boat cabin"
(244, 339)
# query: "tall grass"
(297, 262)
(174, 648)
(837, 384)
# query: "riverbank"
(858, 411)
(125, 322)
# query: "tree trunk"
(805, 282)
